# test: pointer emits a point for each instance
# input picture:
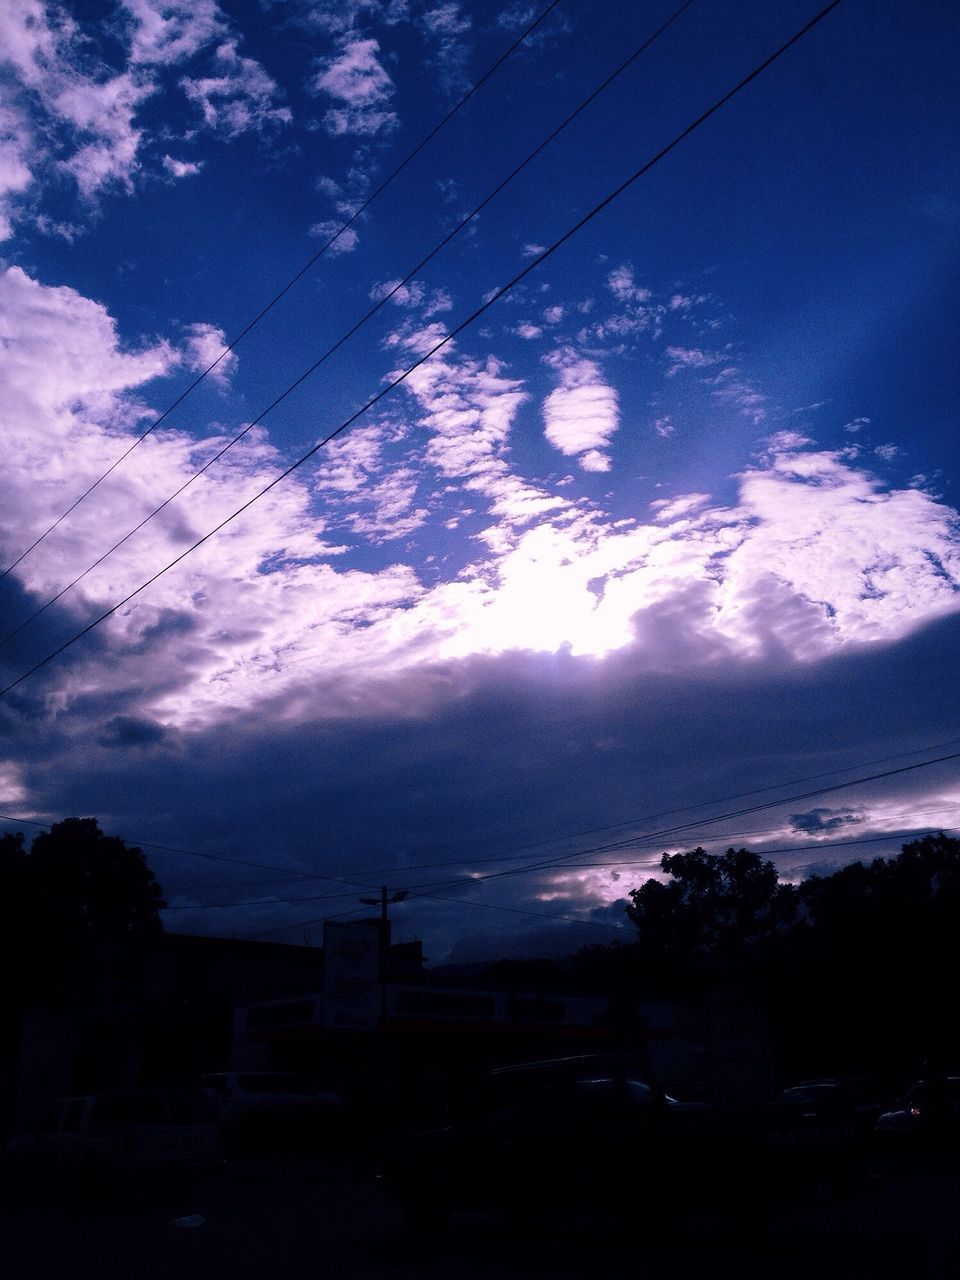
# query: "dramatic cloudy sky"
(667, 533)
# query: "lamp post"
(383, 902)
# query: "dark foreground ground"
(325, 1220)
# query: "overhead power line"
(443, 342)
(686, 826)
(471, 880)
(917, 834)
(242, 904)
(631, 842)
(480, 906)
(264, 311)
(812, 846)
(291, 872)
(381, 302)
(511, 855)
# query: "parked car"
(102, 1141)
(928, 1114)
(261, 1109)
(599, 1134)
(843, 1100)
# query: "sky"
(666, 533)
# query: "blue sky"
(673, 521)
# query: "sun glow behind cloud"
(814, 556)
(668, 524)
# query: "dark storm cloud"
(132, 731)
(518, 750)
(823, 820)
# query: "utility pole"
(383, 902)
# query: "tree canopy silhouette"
(82, 882)
(75, 889)
(714, 906)
(857, 964)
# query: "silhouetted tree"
(75, 889)
(84, 883)
(715, 907)
(857, 967)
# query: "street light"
(383, 902)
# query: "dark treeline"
(75, 888)
(856, 971)
(853, 972)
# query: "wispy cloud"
(205, 343)
(239, 98)
(168, 32)
(346, 237)
(181, 168)
(342, 17)
(623, 286)
(366, 490)
(75, 94)
(15, 172)
(690, 358)
(729, 387)
(356, 79)
(446, 26)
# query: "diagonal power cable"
(531, 266)
(264, 311)
(383, 299)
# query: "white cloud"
(409, 295)
(690, 358)
(886, 451)
(624, 287)
(673, 509)
(81, 104)
(48, 226)
(29, 38)
(468, 407)
(15, 172)
(12, 790)
(528, 331)
(73, 105)
(594, 460)
(814, 556)
(786, 441)
(861, 564)
(205, 345)
(181, 168)
(445, 26)
(731, 389)
(582, 413)
(356, 78)
(365, 489)
(346, 237)
(240, 98)
(856, 424)
(105, 111)
(341, 17)
(167, 32)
